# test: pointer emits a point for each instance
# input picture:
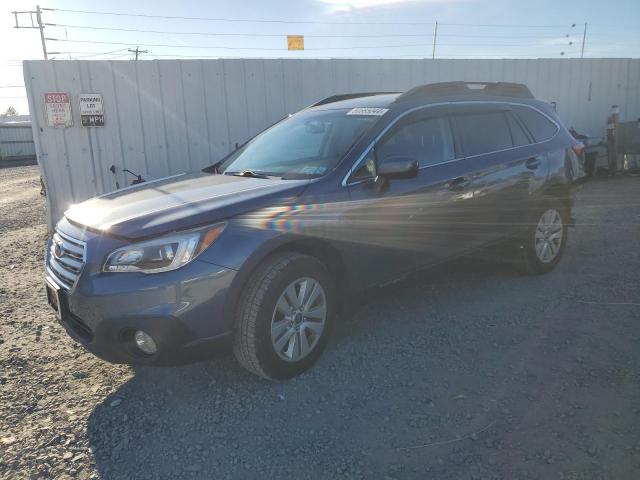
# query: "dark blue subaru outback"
(256, 251)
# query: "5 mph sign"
(91, 110)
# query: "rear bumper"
(183, 311)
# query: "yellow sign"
(295, 42)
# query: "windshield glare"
(306, 145)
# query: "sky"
(332, 29)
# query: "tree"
(9, 112)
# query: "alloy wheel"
(548, 236)
(298, 319)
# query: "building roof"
(15, 121)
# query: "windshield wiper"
(248, 173)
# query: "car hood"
(179, 202)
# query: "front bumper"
(181, 310)
(113, 340)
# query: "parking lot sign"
(91, 110)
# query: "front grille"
(66, 259)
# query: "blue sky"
(332, 29)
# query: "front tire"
(544, 240)
(284, 316)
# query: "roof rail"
(346, 96)
(443, 89)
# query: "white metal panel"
(151, 106)
(293, 85)
(52, 157)
(16, 141)
(237, 107)
(195, 114)
(175, 123)
(168, 116)
(256, 96)
(75, 140)
(215, 101)
(106, 142)
(129, 116)
(633, 100)
(274, 90)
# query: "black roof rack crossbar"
(444, 89)
(346, 96)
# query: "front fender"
(242, 249)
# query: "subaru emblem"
(57, 249)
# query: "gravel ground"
(468, 371)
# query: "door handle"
(532, 163)
(458, 184)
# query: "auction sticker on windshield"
(377, 112)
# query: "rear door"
(487, 145)
(506, 168)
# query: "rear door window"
(484, 132)
(540, 127)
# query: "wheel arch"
(562, 194)
(322, 250)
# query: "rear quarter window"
(540, 127)
(517, 133)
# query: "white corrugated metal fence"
(16, 139)
(168, 116)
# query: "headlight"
(164, 253)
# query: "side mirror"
(397, 167)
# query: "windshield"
(306, 145)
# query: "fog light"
(145, 342)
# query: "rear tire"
(284, 316)
(544, 240)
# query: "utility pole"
(435, 38)
(137, 51)
(37, 24)
(584, 39)
(41, 28)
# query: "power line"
(502, 25)
(97, 42)
(253, 34)
(315, 22)
(90, 54)
(224, 19)
(568, 37)
(103, 58)
(224, 47)
(565, 37)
